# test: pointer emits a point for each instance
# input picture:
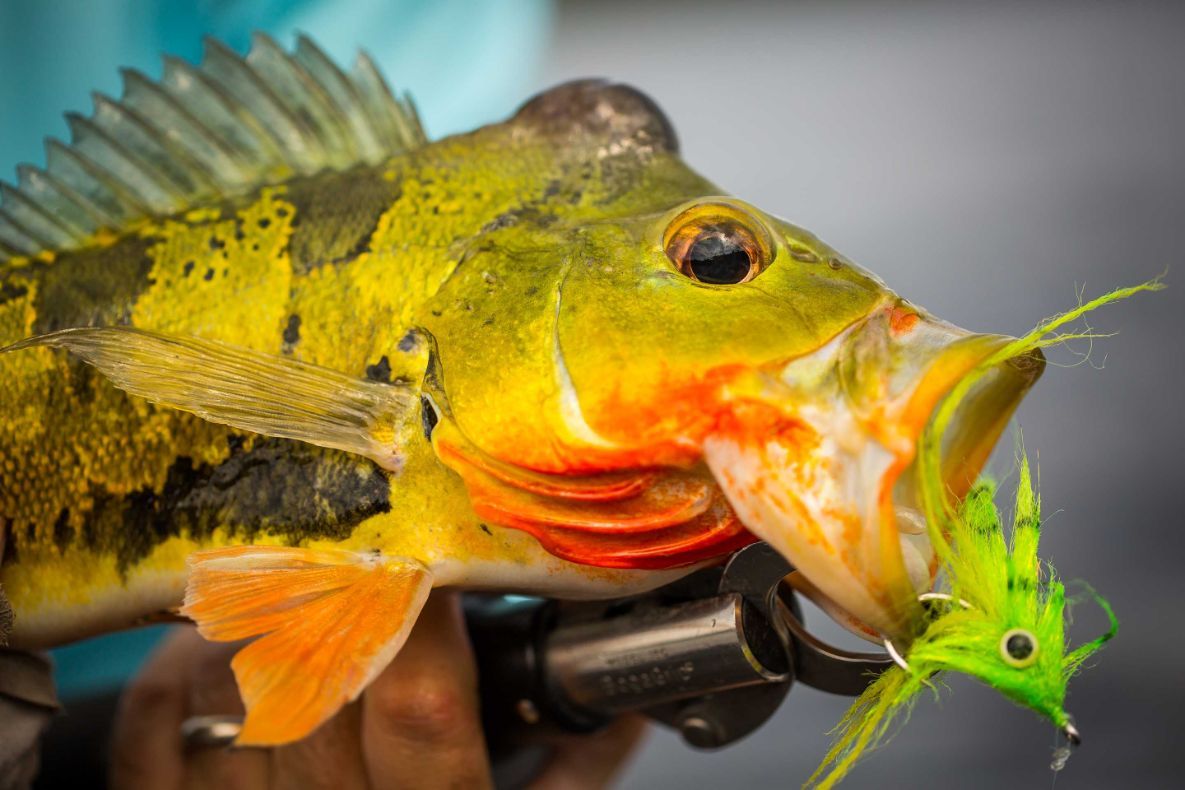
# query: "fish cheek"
(493, 325)
(665, 345)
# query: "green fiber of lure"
(1004, 622)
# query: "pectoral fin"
(246, 389)
(328, 622)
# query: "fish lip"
(877, 450)
(978, 419)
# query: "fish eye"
(1018, 648)
(718, 243)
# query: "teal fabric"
(99, 665)
(466, 63)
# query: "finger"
(329, 759)
(590, 762)
(211, 690)
(146, 740)
(420, 722)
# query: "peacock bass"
(277, 362)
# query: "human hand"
(417, 725)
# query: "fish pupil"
(718, 259)
(1019, 646)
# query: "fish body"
(276, 362)
(105, 495)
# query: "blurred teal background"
(466, 63)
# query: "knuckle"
(146, 693)
(426, 707)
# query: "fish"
(276, 362)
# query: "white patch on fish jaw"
(910, 521)
(806, 502)
(570, 410)
(918, 554)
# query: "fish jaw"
(816, 457)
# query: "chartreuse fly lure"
(1001, 615)
(276, 362)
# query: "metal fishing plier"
(712, 655)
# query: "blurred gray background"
(986, 159)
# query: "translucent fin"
(247, 389)
(328, 622)
(204, 133)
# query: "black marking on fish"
(9, 554)
(278, 487)
(428, 416)
(12, 290)
(485, 529)
(92, 287)
(291, 334)
(338, 215)
(380, 371)
(504, 220)
(62, 533)
(409, 342)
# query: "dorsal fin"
(201, 134)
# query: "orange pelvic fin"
(328, 622)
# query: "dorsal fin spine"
(374, 86)
(242, 83)
(151, 146)
(82, 215)
(26, 214)
(120, 164)
(239, 132)
(91, 181)
(16, 236)
(182, 128)
(342, 93)
(202, 134)
(302, 97)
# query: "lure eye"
(718, 243)
(1018, 648)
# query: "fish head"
(655, 323)
(737, 340)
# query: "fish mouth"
(819, 456)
